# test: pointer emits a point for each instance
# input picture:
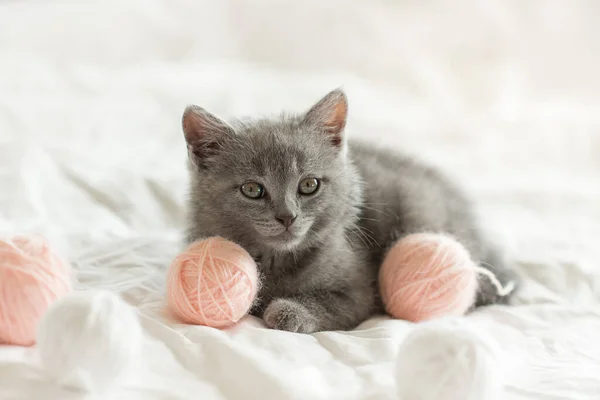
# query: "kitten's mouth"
(286, 236)
(286, 239)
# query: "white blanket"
(502, 94)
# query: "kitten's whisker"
(369, 219)
(366, 238)
(368, 233)
(360, 237)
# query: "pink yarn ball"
(425, 276)
(213, 282)
(32, 276)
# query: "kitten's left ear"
(329, 116)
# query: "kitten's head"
(283, 183)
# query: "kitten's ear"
(203, 133)
(329, 115)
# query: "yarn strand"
(501, 290)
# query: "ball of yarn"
(32, 276)
(425, 276)
(213, 282)
(89, 340)
(448, 361)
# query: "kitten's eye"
(253, 190)
(308, 186)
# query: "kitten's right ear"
(203, 133)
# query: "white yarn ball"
(89, 340)
(447, 360)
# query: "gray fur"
(324, 277)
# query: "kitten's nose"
(286, 220)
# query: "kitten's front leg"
(319, 310)
(290, 315)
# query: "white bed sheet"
(502, 94)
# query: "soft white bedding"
(503, 94)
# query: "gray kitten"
(318, 213)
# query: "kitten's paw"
(288, 315)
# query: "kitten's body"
(324, 276)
